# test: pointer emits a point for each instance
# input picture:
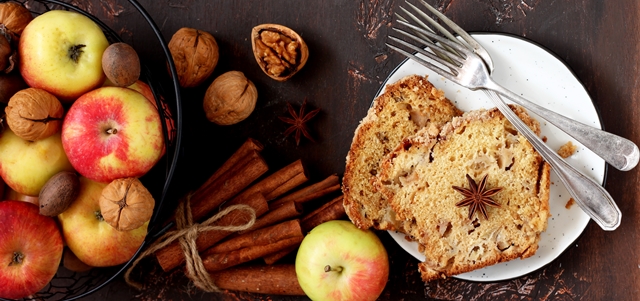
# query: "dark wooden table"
(598, 39)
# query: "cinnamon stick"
(172, 255)
(312, 192)
(243, 151)
(260, 237)
(272, 217)
(289, 176)
(273, 258)
(219, 261)
(230, 183)
(329, 211)
(273, 280)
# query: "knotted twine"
(186, 234)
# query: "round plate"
(535, 73)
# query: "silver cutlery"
(467, 68)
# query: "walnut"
(14, 18)
(279, 51)
(230, 98)
(34, 114)
(126, 204)
(195, 54)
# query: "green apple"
(26, 165)
(338, 261)
(111, 133)
(90, 237)
(61, 52)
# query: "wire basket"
(68, 285)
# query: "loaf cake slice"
(417, 180)
(405, 107)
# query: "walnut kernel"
(230, 98)
(195, 54)
(34, 114)
(279, 51)
(126, 204)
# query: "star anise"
(299, 121)
(476, 197)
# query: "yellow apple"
(61, 52)
(26, 165)
(89, 237)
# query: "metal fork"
(619, 152)
(468, 69)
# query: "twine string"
(186, 233)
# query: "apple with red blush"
(112, 132)
(30, 249)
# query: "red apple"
(30, 249)
(61, 52)
(145, 90)
(112, 133)
(90, 237)
(338, 261)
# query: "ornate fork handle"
(589, 195)
(620, 152)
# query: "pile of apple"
(110, 130)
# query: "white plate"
(539, 76)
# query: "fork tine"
(434, 68)
(460, 49)
(477, 48)
(431, 21)
(438, 59)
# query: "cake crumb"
(544, 139)
(570, 203)
(567, 150)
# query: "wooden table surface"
(599, 40)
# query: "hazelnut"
(230, 98)
(195, 54)
(58, 193)
(279, 51)
(34, 114)
(126, 204)
(121, 64)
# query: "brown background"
(598, 40)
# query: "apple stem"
(99, 216)
(75, 51)
(328, 269)
(17, 258)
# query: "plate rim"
(597, 111)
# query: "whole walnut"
(230, 98)
(34, 114)
(14, 17)
(126, 204)
(195, 54)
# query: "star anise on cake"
(477, 197)
(298, 122)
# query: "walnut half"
(279, 51)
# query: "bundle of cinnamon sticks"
(280, 225)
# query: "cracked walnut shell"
(279, 50)
(230, 98)
(195, 53)
(34, 114)
(126, 204)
